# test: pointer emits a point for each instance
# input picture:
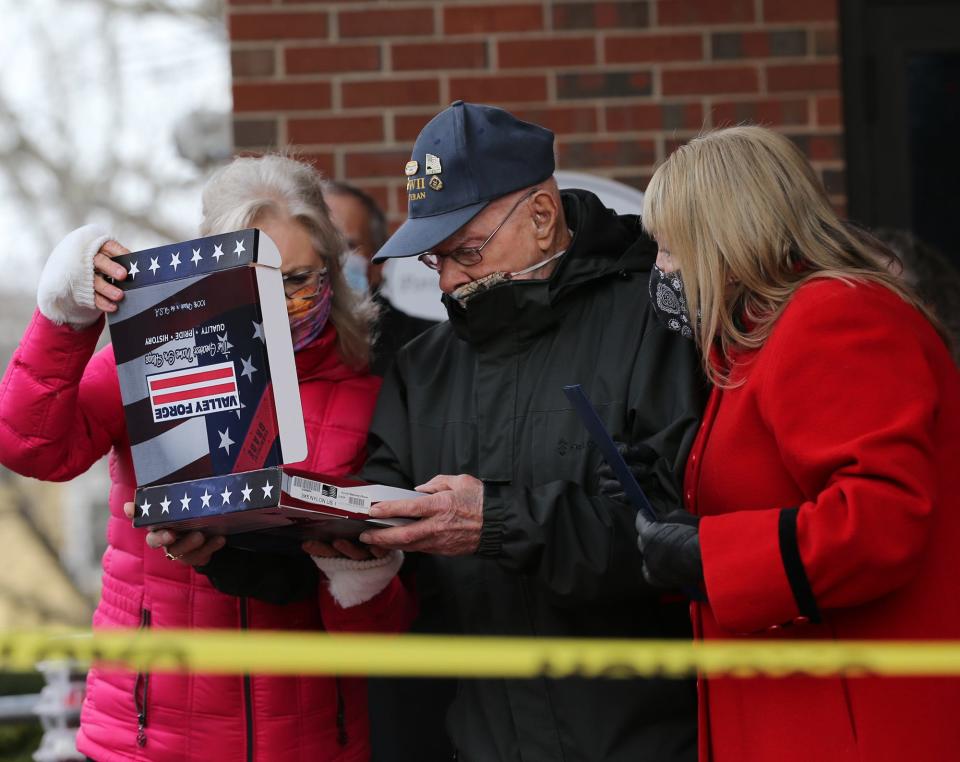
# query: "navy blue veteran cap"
(467, 156)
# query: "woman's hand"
(107, 295)
(671, 550)
(73, 286)
(191, 548)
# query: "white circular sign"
(412, 287)
(618, 196)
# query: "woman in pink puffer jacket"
(60, 411)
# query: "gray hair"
(249, 188)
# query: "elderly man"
(543, 288)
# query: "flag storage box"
(211, 399)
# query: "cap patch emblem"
(433, 164)
(436, 183)
(411, 168)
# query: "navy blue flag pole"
(601, 437)
(603, 440)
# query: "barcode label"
(319, 493)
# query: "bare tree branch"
(210, 10)
(42, 168)
(22, 602)
(21, 507)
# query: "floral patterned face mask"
(308, 315)
(669, 303)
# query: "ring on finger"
(172, 557)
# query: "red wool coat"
(829, 489)
(60, 411)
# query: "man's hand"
(640, 459)
(106, 295)
(450, 519)
(190, 548)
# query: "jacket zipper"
(140, 686)
(342, 737)
(247, 687)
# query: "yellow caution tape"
(291, 653)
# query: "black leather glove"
(671, 550)
(276, 578)
(652, 473)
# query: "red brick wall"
(350, 83)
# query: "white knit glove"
(354, 582)
(65, 293)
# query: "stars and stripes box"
(209, 386)
(278, 504)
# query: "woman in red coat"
(825, 480)
(60, 411)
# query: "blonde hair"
(748, 222)
(249, 188)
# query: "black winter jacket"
(481, 395)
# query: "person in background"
(822, 491)
(364, 225)
(61, 411)
(934, 278)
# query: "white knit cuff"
(354, 582)
(65, 293)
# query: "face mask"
(355, 271)
(469, 290)
(668, 301)
(308, 317)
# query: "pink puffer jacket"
(60, 411)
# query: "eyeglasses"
(470, 255)
(305, 284)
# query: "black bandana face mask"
(668, 301)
